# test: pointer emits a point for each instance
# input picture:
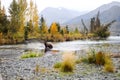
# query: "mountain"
(60, 15)
(108, 12)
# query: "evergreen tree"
(58, 26)
(4, 22)
(92, 24)
(76, 30)
(43, 26)
(14, 13)
(67, 29)
(98, 24)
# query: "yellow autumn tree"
(36, 19)
(33, 19)
(29, 18)
(53, 28)
(31, 10)
(22, 11)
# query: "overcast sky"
(79, 5)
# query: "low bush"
(78, 61)
(31, 54)
(57, 65)
(91, 57)
(102, 32)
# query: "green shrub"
(91, 56)
(57, 65)
(31, 54)
(78, 61)
(85, 60)
(102, 33)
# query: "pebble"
(1, 77)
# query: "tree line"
(24, 23)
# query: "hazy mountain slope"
(89, 15)
(59, 14)
(108, 13)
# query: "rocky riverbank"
(14, 68)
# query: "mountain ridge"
(93, 13)
(59, 15)
(111, 12)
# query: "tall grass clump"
(90, 58)
(37, 68)
(94, 57)
(68, 62)
(99, 58)
(108, 67)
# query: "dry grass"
(108, 68)
(68, 62)
(100, 58)
(37, 68)
(40, 69)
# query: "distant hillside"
(60, 15)
(108, 12)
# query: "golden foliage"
(53, 28)
(1, 39)
(36, 20)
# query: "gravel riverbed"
(14, 68)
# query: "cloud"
(79, 5)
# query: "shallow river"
(112, 44)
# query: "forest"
(24, 22)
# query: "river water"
(112, 44)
